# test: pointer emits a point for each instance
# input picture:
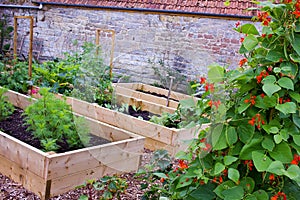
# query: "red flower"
(272, 177)
(249, 164)
(280, 100)
(182, 164)
(251, 100)
(279, 194)
(162, 180)
(296, 160)
(242, 40)
(209, 87)
(237, 24)
(262, 74)
(242, 62)
(263, 35)
(262, 95)
(270, 68)
(202, 80)
(252, 121)
(214, 103)
(297, 13)
(270, 35)
(207, 147)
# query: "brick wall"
(186, 44)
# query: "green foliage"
(6, 108)
(252, 148)
(81, 75)
(5, 36)
(108, 187)
(188, 114)
(15, 76)
(52, 122)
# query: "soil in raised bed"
(156, 94)
(146, 115)
(14, 126)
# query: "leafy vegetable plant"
(53, 122)
(6, 108)
(14, 76)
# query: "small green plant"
(53, 122)
(188, 114)
(15, 76)
(108, 187)
(6, 108)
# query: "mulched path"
(10, 190)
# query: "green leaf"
(228, 160)
(160, 175)
(296, 139)
(296, 119)
(276, 167)
(234, 193)
(249, 29)
(243, 106)
(83, 197)
(282, 152)
(261, 161)
(254, 145)
(250, 42)
(234, 175)
(215, 73)
(268, 143)
(278, 138)
(295, 96)
(295, 42)
(269, 79)
(248, 184)
(231, 136)
(187, 103)
(261, 195)
(293, 172)
(219, 167)
(287, 108)
(183, 182)
(274, 55)
(246, 132)
(224, 186)
(203, 192)
(218, 138)
(286, 82)
(270, 88)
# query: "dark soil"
(156, 94)
(146, 115)
(14, 126)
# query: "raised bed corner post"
(98, 31)
(30, 41)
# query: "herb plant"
(252, 149)
(53, 122)
(6, 108)
(5, 36)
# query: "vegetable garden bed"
(157, 136)
(150, 93)
(48, 174)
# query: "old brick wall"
(186, 44)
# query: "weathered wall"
(187, 44)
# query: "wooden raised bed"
(146, 93)
(157, 136)
(50, 174)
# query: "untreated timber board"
(49, 174)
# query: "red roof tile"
(236, 7)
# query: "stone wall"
(185, 44)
